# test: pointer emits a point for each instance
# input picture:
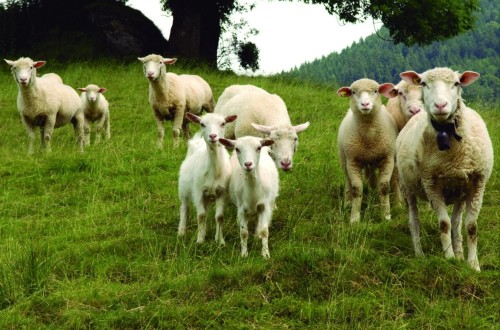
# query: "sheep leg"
(184, 215)
(46, 133)
(177, 125)
(161, 129)
(385, 175)
(79, 125)
(398, 198)
(243, 223)
(108, 127)
(31, 134)
(439, 207)
(262, 229)
(356, 191)
(473, 206)
(456, 230)
(219, 218)
(414, 225)
(99, 127)
(185, 129)
(86, 133)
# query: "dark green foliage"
(381, 60)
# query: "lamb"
(253, 187)
(407, 103)
(45, 102)
(204, 174)
(171, 96)
(366, 141)
(95, 109)
(262, 115)
(445, 156)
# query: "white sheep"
(263, 115)
(45, 102)
(171, 96)
(95, 109)
(253, 187)
(445, 156)
(204, 174)
(366, 141)
(407, 103)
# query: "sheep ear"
(102, 90)
(193, 118)
(82, 89)
(411, 77)
(468, 77)
(169, 60)
(388, 90)
(227, 143)
(266, 142)
(344, 92)
(262, 128)
(39, 64)
(301, 127)
(230, 119)
(9, 62)
(141, 59)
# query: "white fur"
(407, 103)
(263, 115)
(45, 102)
(366, 142)
(95, 109)
(455, 176)
(171, 96)
(253, 187)
(204, 175)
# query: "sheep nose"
(441, 105)
(248, 164)
(365, 104)
(150, 73)
(414, 110)
(286, 165)
(23, 80)
(212, 136)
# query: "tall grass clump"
(90, 240)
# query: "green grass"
(89, 240)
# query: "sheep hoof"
(475, 265)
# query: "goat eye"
(258, 149)
(202, 125)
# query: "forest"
(377, 58)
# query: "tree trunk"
(196, 30)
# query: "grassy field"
(89, 240)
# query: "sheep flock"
(424, 143)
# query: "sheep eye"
(202, 125)
(258, 149)
(237, 150)
(457, 83)
(353, 92)
(423, 84)
(223, 124)
(400, 93)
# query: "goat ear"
(266, 142)
(388, 90)
(102, 90)
(301, 127)
(227, 143)
(39, 64)
(230, 119)
(468, 77)
(411, 77)
(82, 89)
(169, 60)
(344, 92)
(262, 128)
(193, 118)
(141, 59)
(9, 62)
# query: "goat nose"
(248, 164)
(440, 105)
(286, 164)
(212, 136)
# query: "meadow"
(89, 241)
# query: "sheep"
(407, 103)
(45, 102)
(366, 141)
(262, 115)
(445, 156)
(171, 96)
(253, 187)
(95, 108)
(204, 174)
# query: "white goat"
(445, 155)
(204, 174)
(171, 96)
(253, 187)
(45, 102)
(263, 115)
(95, 109)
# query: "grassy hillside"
(89, 240)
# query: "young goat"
(253, 186)
(204, 174)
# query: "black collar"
(444, 131)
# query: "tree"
(198, 24)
